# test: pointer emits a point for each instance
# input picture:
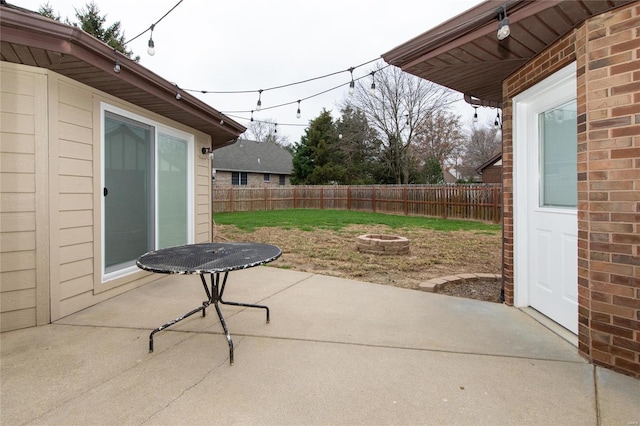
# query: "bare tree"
(265, 131)
(440, 137)
(397, 109)
(482, 143)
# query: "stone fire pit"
(382, 244)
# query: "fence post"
(231, 199)
(445, 194)
(266, 198)
(405, 196)
(373, 199)
(349, 197)
(322, 198)
(295, 198)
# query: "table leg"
(170, 323)
(202, 308)
(246, 305)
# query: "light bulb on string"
(373, 83)
(116, 66)
(475, 114)
(259, 104)
(251, 115)
(152, 47)
(352, 84)
(298, 111)
(275, 128)
(496, 123)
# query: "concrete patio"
(335, 352)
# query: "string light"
(475, 114)
(275, 128)
(153, 26)
(352, 85)
(178, 95)
(116, 67)
(298, 111)
(152, 47)
(251, 115)
(373, 83)
(496, 123)
(259, 104)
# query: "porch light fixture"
(259, 104)
(298, 111)
(352, 85)
(152, 47)
(206, 150)
(503, 24)
(475, 114)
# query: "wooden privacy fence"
(477, 202)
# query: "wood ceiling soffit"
(24, 55)
(8, 52)
(540, 31)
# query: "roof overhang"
(465, 55)
(31, 39)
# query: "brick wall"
(253, 179)
(607, 51)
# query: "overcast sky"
(250, 45)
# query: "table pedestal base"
(214, 296)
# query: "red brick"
(616, 185)
(627, 109)
(623, 68)
(625, 153)
(606, 308)
(626, 260)
(632, 367)
(625, 46)
(626, 238)
(611, 329)
(625, 131)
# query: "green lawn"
(309, 219)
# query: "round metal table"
(208, 259)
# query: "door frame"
(563, 80)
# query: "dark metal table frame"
(214, 268)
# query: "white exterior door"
(545, 198)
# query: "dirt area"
(432, 254)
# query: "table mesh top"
(208, 258)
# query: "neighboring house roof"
(465, 55)
(31, 39)
(449, 177)
(490, 162)
(252, 156)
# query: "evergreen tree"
(432, 171)
(359, 145)
(91, 22)
(318, 160)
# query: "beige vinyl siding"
(75, 198)
(23, 137)
(202, 197)
(51, 195)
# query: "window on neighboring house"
(267, 177)
(147, 199)
(239, 178)
(283, 180)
